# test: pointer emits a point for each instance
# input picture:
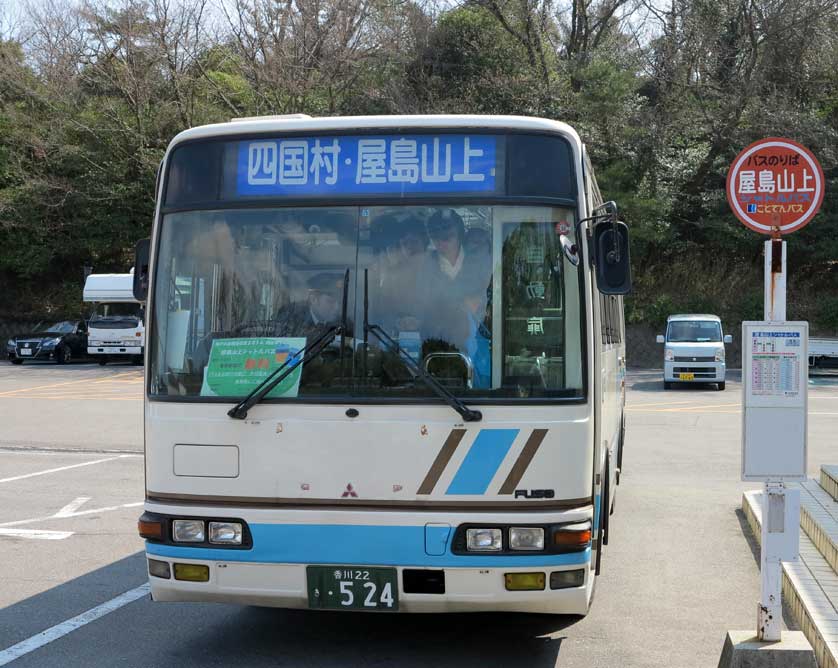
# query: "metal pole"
(770, 609)
(775, 280)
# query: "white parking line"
(62, 468)
(60, 630)
(63, 514)
(38, 534)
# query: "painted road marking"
(92, 511)
(72, 507)
(661, 403)
(64, 628)
(68, 382)
(47, 450)
(38, 534)
(78, 398)
(700, 407)
(63, 468)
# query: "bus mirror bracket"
(141, 261)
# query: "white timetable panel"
(774, 400)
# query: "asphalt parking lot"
(679, 570)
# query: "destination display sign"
(367, 165)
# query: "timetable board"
(774, 400)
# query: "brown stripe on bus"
(523, 461)
(441, 461)
(204, 500)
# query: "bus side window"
(620, 319)
(615, 319)
(602, 324)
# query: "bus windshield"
(480, 296)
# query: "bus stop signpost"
(775, 186)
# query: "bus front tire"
(721, 386)
(103, 361)
(667, 385)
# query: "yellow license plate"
(686, 376)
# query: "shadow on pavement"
(53, 606)
(144, 633)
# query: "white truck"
(823, 350)
(116, 328)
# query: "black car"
(58, 341)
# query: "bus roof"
(302, 123)
(694, 316)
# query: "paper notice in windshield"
(236, 366)
(775, 365)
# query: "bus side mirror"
(728, 338)
(659, 339)
(141, 255)
(611, 253)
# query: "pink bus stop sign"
(775, 186)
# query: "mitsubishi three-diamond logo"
(349, 491)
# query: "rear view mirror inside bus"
(141, 259)
(611, 253)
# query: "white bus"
(385, 365)
(115, 329)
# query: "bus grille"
(695, 359)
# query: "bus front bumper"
(284, 586)
(279, 546)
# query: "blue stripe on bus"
(596, 515)
(482, 461)
(351, 545)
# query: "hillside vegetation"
(664, 94)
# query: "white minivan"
(694, 350)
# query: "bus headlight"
(225, 533)
(526, 538)
(668, 355)
(484, 540)
(188, 531)
(720, 355)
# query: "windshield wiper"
(312, 350)
(468, 414)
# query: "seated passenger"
(321, 310)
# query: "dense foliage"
(664, 94)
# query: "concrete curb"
(810, 605)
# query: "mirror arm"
(611, 214)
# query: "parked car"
(58, 341)
(694, 350)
